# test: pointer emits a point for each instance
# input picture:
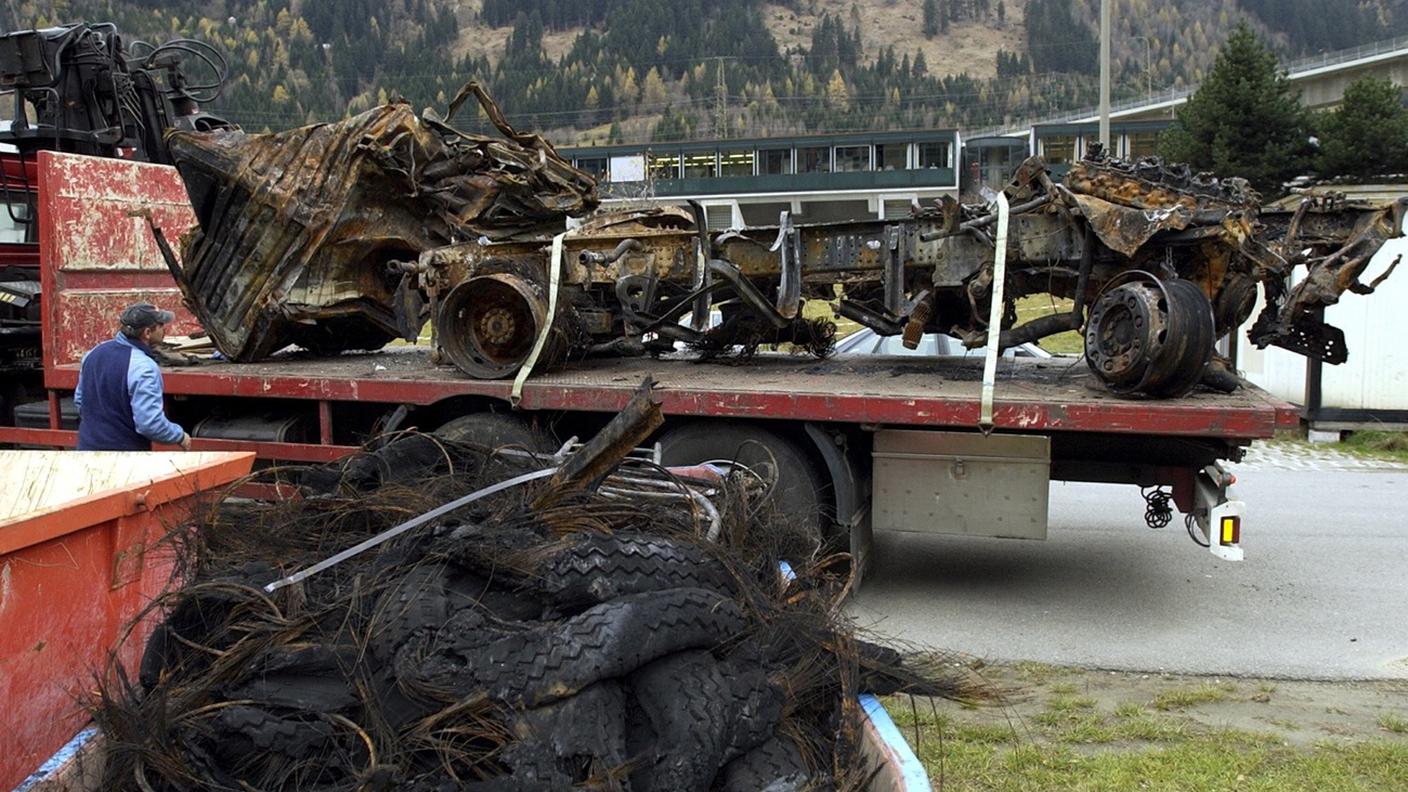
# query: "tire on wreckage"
(1150, 337)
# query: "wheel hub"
(1150, 337)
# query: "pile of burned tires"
(594, 644)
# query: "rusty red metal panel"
(325, 422)
(291, 452)
(1251, 418)
(18, 170)
(98, 255)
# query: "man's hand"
(185, 442)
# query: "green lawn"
(1069, 729)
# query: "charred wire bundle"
(543, 638)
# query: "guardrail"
(1293, 69)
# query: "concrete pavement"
(1323, 593)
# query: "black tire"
(685, 716)
(304, 678)
(405, 460)
(800, 491)
(250, 747)
(695, 715)
(598, 568)
(416, 601)
(550, 663)
(262, 731)
(564, 743)
(495, 430)
(774, 766)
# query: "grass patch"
(1122, 741)
(1193, 696)
(1384, 445)
(1082, 752)
(1181, 760)
(1039, 673)
(1129, 709)
(1390, 722)
(1035, 306)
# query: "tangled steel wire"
(593, 641)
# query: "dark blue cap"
(145, 314)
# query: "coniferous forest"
(635, 70)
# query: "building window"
(1059, 150)
(852, 158)
(1143, 144)
(736, 162)
(595, 166)
(891, 156)
(664, 166)
(700, 165)
(775, 162)
(932, 154)
(814, 159)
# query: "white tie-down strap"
(999, 276)
(554, 277)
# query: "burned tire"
(775, 766)
(597, 569)
(545, 664)
(418, 600)
(562, 744)
(493, 431)
(799, 493)
(679, 737)
(694, 715)
(243, 744)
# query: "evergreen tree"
(1244, 120)
(1368, 134)
(931, 18)
(1057, 42)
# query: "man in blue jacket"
(119, 394)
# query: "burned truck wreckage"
(346, 235)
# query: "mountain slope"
(599, 70)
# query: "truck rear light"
(1230, 530)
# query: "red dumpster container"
(79, 558)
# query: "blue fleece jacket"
(119, 399)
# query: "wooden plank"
(33, 482)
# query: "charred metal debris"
(341, 236)
(299, 233)
(609, 625)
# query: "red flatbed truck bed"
(98, 256)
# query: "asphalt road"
(1322, 594)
